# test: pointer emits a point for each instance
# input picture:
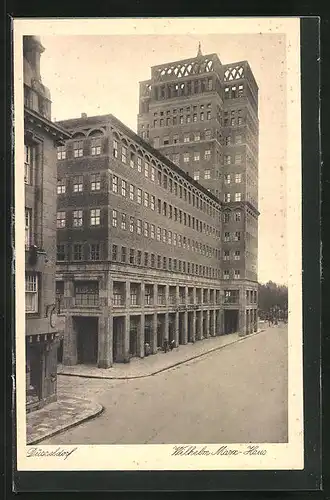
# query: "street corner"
(63, 414)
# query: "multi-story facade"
(139, 243)
(41, 138)
(203, 116)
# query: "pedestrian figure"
(147, 349)
(165, 345)
(172, 344)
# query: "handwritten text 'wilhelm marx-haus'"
(223, 450)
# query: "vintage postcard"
(158, 244)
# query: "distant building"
(139, 249)
(41, 138)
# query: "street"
(235, 394)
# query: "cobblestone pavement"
(66, 412)
(232, 395)
(153, 364)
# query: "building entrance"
(231, 321)
(87, 339)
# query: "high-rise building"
(203, 116)
(41, 137)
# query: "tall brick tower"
(203, 115)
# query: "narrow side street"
(235, 394)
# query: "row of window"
(172, 90)
(77, 220)
(95, 148)
(166, 181)
(146, 259)
(122, 187)
(180, 120)
(186, 109)
(187, 137)
(160, 234)
(78, 249)
(227, 197)
(163, 208)
(78, 184)
(196, 157)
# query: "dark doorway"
(181, 328)
(160, 330)
(60, 352)
(171, 327)
(231, 321)
(190, 327)
(87, 339)
(133, 337)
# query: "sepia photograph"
(161, 260)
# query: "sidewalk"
(66, 412)
(153, 364)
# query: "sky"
(100, 75)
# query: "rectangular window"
(238, 158)
(31, 293)
(152, 231)
(238, 197)
(227, 236)
(227, 159)
(60, 252)
(124, 154)
(164, 267)
(152, 202)
(146, 259)
(176, 158)
(131, 224)
(114, 252)
(208, 115)
(227, 197)
(131, 256)
(169, 237)
(237, 255)
(138, 226)
(174, 239)
(139, 258)
(152, 173)
(238, 178)
(186, 157)
(115, 184)
(227, 178)
(28, 158)
(78, 149)
(164, 233)
(139, 196)
(202, 117)
(146, 200)
(60, 219)
(77, 218)
(94, 251)
(226, 274)
(95, 217)
(95, 182)
(123, 221)
(237, 236)
(96, 146)
(146, 229)
(146, 170)
(28, 226)
(139, 164)
(196, 157)
(237, 274)
(86, 293)
(114, 218)
(123, 188)
(61, 152)
(207, 174)
(115, 148)
(77, 251)
(186, 137)
(78, 184)
(123, 254)
(238, 139)
(240, 120)
(207, 154)
(226, 255)
(237, 216)
(226, 217)
(131, 192)
(132, 160)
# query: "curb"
(67, 427)
(133, 377)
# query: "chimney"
(83, 115)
